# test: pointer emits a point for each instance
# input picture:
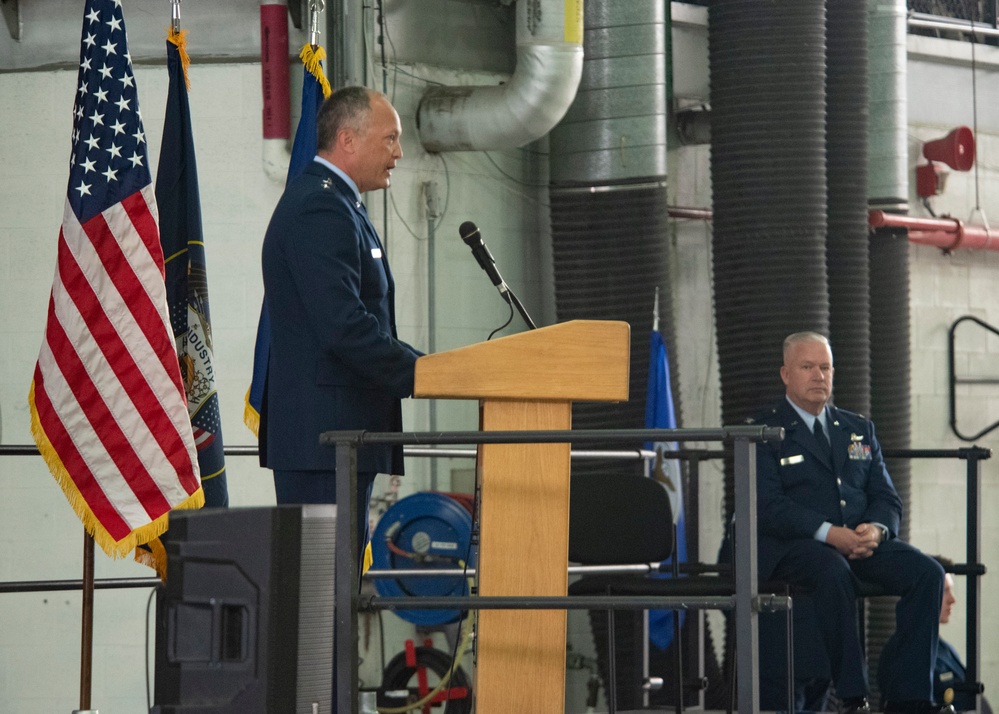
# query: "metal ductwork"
(615, 129)
(768, 122)
(523, 109)
(888, 169)
(608, 192)
(891, 402)
(610, 223)
(891, 406)
(847, 235)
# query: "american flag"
(107, 402)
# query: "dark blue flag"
(181, 236)
(315, 88)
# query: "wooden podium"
(527, 382)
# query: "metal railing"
(746, 604)
(979, 12)
(973, 569)
(736, 437)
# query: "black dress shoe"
(917, 706)
(856, 705)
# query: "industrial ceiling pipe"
(609, 221)
(946, 233)
(276, 90)
(768, 179)
(610, 242)
(527, 106)
(888, 189)
(847, 257)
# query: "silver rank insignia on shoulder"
(327, 183)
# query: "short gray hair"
(798, 337)
(346, 108)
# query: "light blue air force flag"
(659, 415)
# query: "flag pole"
(87, 622)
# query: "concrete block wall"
(944, 287)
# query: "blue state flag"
(315, 89)
(186, 277)
(659, 414)
(182, 238)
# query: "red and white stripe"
(202, 439)
(107, 387)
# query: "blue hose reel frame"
(434, 530)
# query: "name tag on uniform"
(790, 460)
(376, 253)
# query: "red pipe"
(274, 69)
(946, 233)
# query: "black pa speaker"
(245, 621)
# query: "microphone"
(469, 233)
(473, 239)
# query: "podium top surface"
(580, 360)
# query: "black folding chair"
(627, 519)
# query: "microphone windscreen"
(467, 230)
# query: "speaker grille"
(316, 610)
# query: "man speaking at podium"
(336, 362)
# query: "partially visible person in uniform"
(828, 514)
(948, 669)
(336, 361)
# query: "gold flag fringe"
(251, 417)
(312, 58)
(180, 40)
(113, 548)
(155, 557)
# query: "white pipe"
(524, 109)
(276, 159)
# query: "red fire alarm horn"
(957, 149)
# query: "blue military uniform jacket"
(798, 489)
(948, 670)
(335, 358)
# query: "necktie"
(820, 437)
